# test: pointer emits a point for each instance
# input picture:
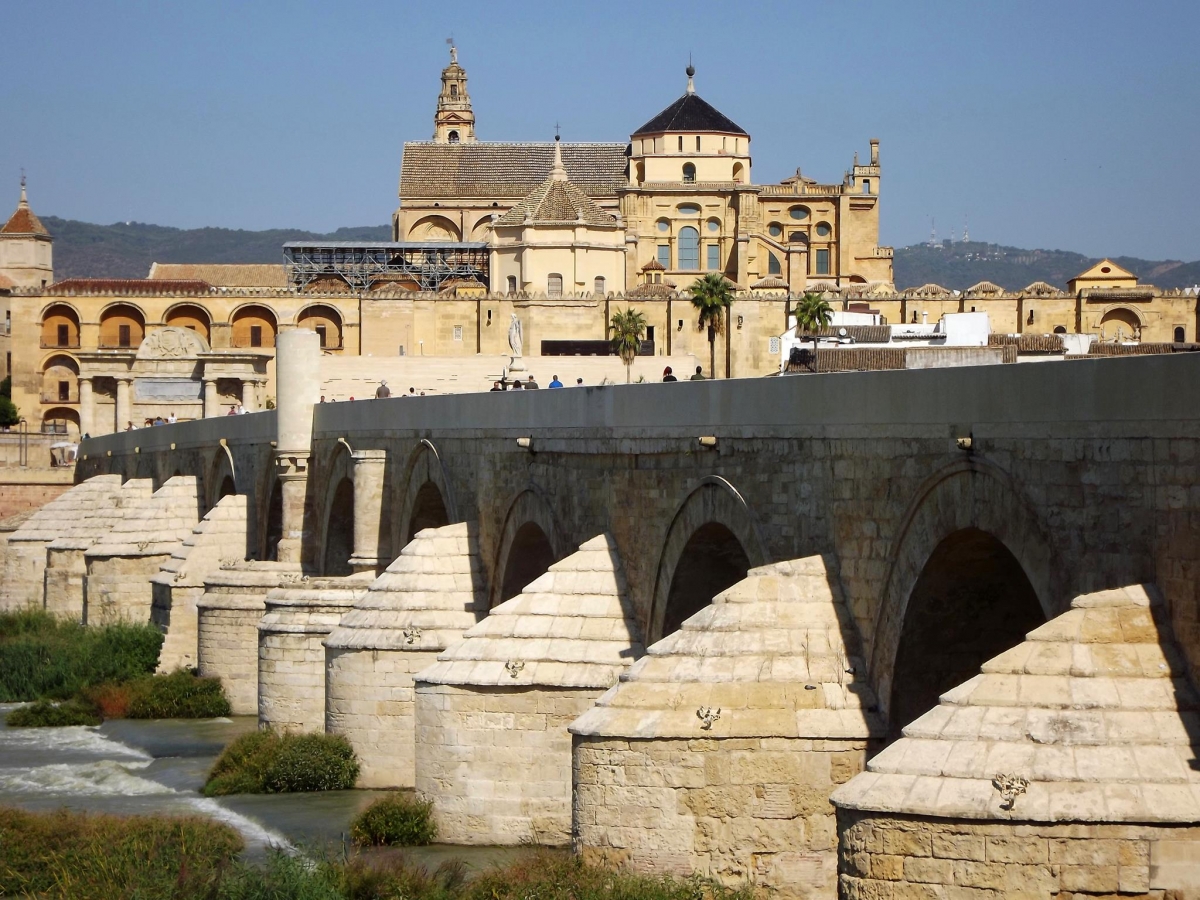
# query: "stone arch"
(1121, 321)
(967, 495)
(220, 471)
(59, 314)
(434, 228)
(714, 521)
(56, 370)
(190, 315)
(271, 532)
(337, 513)
(530, 540)
(326, 320)
(61, 420)
(249, 316)
(113, 317)
(482, 229)
(425, 489)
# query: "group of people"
(698, 375)
(156, 420)
(529, 384)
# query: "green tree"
(628, 329)
(712, 296)
(9, 414)
(813, 313)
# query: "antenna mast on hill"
(966, 234)
(932, 231)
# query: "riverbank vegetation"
(398, 820)
(265, 762)
(179, 695)
(96, 857)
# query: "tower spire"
(24, 202)
(559, 171)
(691, 74)
(454, 121)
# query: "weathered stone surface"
(430, 594)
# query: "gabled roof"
(223, 274)
(985, 287)
(1097, 271)
(690, 113)
(506, 171)
(556, 202)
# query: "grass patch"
(84, 856)
(399, 820)
(45, 657)
(44, 714)
(180, 695)
(269, 763)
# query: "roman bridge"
(961, 506)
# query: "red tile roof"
(23, 221)
(140, 286)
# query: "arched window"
(599, 286)
(512, 284)
(326, 322)
(60, 380)
(454, 90)
(253, 326)
(689, 249)
(739, 173)
(1059, 329)
(454, 137)
(689, 173)
(188, 315)
(1180, 337)
(773, 267)
(60, 326)
(554, 285)
(121, 326)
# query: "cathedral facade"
(678, 194)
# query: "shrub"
(84, 856)
(44, 714)
(268, 763)
(41, 656)
(400, 820)
(180, 695)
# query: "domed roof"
(690, 113)
(556, 201)
(1091, 719)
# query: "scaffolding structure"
(361, 265)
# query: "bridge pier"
(369, 467)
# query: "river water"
(128, 766)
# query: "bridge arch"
(971, 570)
(530, 541)
(712, 541)
(427, 500)
(222, 477)
(337, 514)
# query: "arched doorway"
(971, 602)
(339, 531)
(529, 556)
(712, 560)
(428, 510)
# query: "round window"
(689, 209)
(775, 230)
(799, 213)
(1105, 269)
(664, 225)
(823, 230)
(714, 225)
(798, 237)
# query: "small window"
(822, 262)
(714, 257)
(255, 335)
(512, 284)
(797, 237)
(123, 336)
(7, 363)
(664, 255)
(1105, 269)
(775, 230)
(649, 332)
(773, 267)
(866, 185)
(598, 287)
(681, 143)
(799, 213)
(64, 335)
(1180, 337)
(454, 90)
(454, 137)
(689, 173)
(773, 346)
(824, 230)
(458, 333)
(714, 225)
(689, 209)
(697, 143)
(64, 391)
(320, 329)
(554, 285)
(663, 225)
(1060, 329)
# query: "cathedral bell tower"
(454, 123)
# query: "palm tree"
(712, 296)
(628, 328)
(813, 313)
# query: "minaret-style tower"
(26, 248)
(454, 122)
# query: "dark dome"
(690, 113)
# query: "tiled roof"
(928, 290)
(141, 286)
(654, 266)
(867, 334)
(506, 171)
(6, 283)
(662, 289)
(1043, 289)
(23, 221)
(770, 282)
(222, 275)
(556, 202)
(1091, 719)
(985, 287)
(1028, 343)
(690, 113)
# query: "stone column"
(211, 406)
(298, 381)
(248, 395)
(124, 406)
(369, 467)
(87, 413)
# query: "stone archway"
(272, 534)
(221, 475)
(972, 601)
(712, 541)
(338, 543)
(427, 501)
(970, 496)
(530, 541)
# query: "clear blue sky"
(1056, 123)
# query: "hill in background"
(126, 250)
